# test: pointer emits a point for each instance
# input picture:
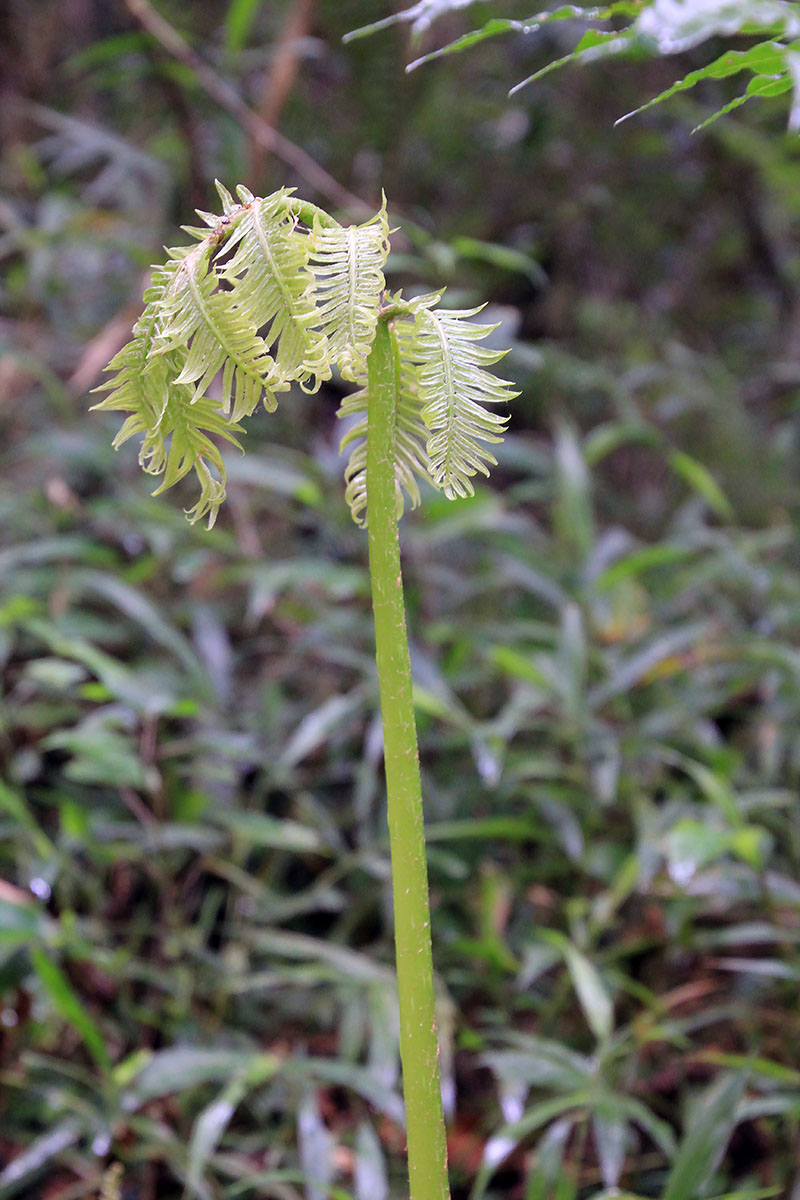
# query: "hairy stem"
(427, 1151)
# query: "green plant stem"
(419, 1048)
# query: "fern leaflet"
(176, 431)
(443, 366)
(348, 267)
(411, 457)
(219, 337)
(273, 287)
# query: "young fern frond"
(348, 269)
(276, 292)
(175, 429)
(219, 336)
(411, 458)
(273, 288)
(139, 387)
(422, 413)
(188, 424)
(446, 369)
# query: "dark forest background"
(196, 996)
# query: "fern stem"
(427, 1150)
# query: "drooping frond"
(411, 458)
(219, 336)
(175, 430)
(445, 367)
(180, 443)
(273, 288)
(138, 386)
(274, 293)
(348, 267)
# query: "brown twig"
(280, 77)
(228, 98)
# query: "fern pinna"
(276, 292)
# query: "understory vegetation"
(197, 995)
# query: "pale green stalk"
(419, 1049)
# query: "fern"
(316, 290)
(219, 336)
(348, 267)
(445, 369)
(276, 292)
(176, 429)
(411, 457)
(645, 27)
(274, 287)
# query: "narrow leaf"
(713, 1118)
(69, 1006)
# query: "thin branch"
(281, 76)
(228, 98)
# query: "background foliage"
(195, 943)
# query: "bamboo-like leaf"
(713, 1119)
(446, 370)
(273, 288)
(348, 267)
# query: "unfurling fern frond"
(142, 381)
(348, 267)
(176, 431)
(219, 336)
(410, 459)
(276, 292)
(445, 367)
(273, 287)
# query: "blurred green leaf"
(215, 1118)
(547, 1179)
(168, 1071)
(713, 1117)
(595, 1000)
(239, 23)
(700, 480)
(26, 1166)
(69, 1006)
(284, 834)
(371, 1181)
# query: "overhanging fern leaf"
(446, 369)
(219, 336)
(273, 288)
(175, 430)
(142, 380)
(348, 266)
